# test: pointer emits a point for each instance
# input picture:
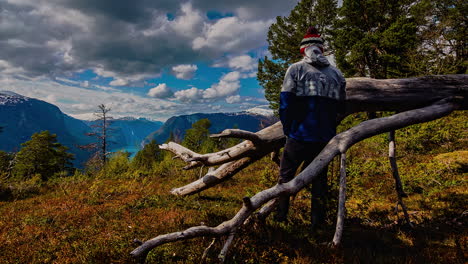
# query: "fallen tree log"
(363, 94)
(429, 97)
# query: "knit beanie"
(311, 38)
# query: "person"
(311, 97)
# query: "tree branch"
(339, 144)
(341, 203)
(396, 176)
(237, 133)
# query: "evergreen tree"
(196, 138)
(442, 35)
(146, 157)
(41, 155)
(5, 160)
(284, 38)
(374, 37)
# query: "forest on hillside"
(54, 213)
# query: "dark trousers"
(296, 152)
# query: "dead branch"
(339, 144)
(396, 176)
(233, 159)
(341, 203)
(237, 133)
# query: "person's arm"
(287, 98)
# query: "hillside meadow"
(93, 216)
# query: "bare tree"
(102, 129)
(416, 100)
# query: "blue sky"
(152, 59)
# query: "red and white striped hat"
(311, 38)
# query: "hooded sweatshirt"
(310, 100)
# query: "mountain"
(22, 116)
(252, 120)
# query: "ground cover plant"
(93, 217)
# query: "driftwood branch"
(339, 144)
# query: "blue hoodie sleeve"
(287, 98)
(286, 111)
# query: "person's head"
(312, 48)
(311, 38)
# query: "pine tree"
(284, 38)
(5, 160)
(442, 35)
(374, 37)
(41, 155)
(146, 157)
(196, 138)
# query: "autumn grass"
(95, 220)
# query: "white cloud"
(228, 85)
(119, 82)
(184, 71)
(242, 63)
(189, 22)
(80, 102)
(233, 99)
(231, 34)
(190, 95)
(160, 91)
(8, 69)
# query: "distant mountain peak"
(11, 98)
(264, 110)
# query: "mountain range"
(177, 125)
(21, 116)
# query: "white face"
(313, 52)
(315, 56)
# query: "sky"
(145, 58)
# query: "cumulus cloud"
(190, 95)
(81, 103)
(129, 43)
(184, 71)
(160, 91)
(232, 34)
(227, 85)
(233, 99)
(51, 38)
(189, 22)
(119, 82)
(243, 63)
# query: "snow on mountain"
(261, 110)
(10, 98)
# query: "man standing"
(312, 95)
